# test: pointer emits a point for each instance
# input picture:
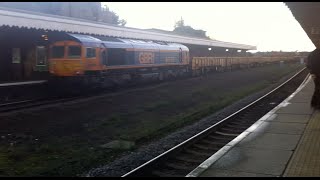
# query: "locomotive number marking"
(146, 58)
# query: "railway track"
(19, 105)
(182, 159)
(14, 105)
(11, 104)
(50, 98)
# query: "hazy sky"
(267, 25)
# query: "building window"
(74, 52)
(41, 57)
(90, 53)
(16, 57)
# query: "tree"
(109, 16)
(181, 29)
(122, 22)
(82, 10)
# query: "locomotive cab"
(66, 58)
(72, 58)
(75, 56)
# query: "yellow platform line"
(306, 158)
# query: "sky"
(268, 25)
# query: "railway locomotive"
(111, 61)
(108, 61)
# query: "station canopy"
(32, 20)
(307, 14)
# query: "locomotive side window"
(116, 56)
(90, 53)
(74, 52)
(57, 52)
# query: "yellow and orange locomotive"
(87, 57)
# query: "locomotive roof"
(86, 40)
(100, 41)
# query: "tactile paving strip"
(306, 158)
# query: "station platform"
(283, 143)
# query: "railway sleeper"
(241, 121)
(182, 165)
(228, 134)
(191, 151)
(210, 140)
(242, 126)
(182, 162)
(187, 158)
(215, 143)
(218, 136)
(200, 149)
(247, 115)
(233, 131)
(240, 116)
(195, 156)
(206, 147)
(238, 122)
(249, 120)
(230, 130)
(257, 112)
(167, 173)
